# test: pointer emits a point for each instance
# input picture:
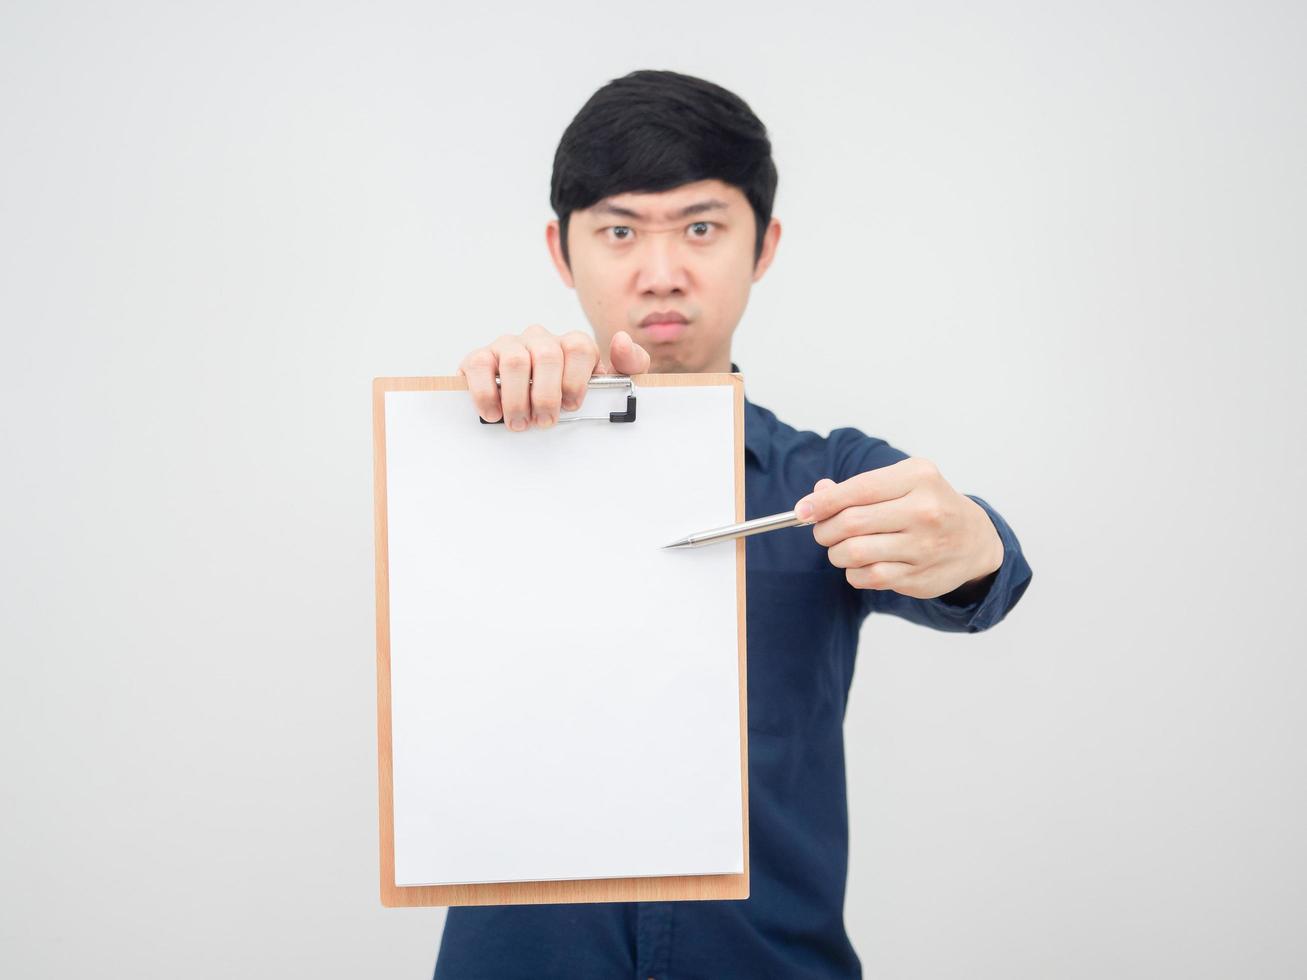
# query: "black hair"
(651, 131)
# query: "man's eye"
(700, 229)
(621, 232)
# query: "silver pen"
(732, 531)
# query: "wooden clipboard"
(607, 889)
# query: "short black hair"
(651, 131)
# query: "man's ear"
(770, 239)
(553, 238)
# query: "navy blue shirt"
(803, 620)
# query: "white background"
(1057, 248)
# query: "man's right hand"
(556, 367)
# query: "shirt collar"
(756, 440)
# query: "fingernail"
(804, 510)
(544, 421)
(517, 424)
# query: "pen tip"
(682, 543)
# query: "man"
(663, 186)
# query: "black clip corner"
(628, 415)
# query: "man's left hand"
(903, 527)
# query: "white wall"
(1056, 248)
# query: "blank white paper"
(565, 694)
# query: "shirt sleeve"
(960, 611)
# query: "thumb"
(806, 507)
(626, 356)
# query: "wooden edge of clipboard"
(640, 889)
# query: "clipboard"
(650, 407)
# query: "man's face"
(685, 253)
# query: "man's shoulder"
(843, 452)
(777, 429)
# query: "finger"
(626, 356)
(479, 369)
(514, 375)
(886, 516)
(884, 483)
(867, 549)
(821, 484)
(546, 378)
(881, 575)
(580, 355)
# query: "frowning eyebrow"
(712, 204)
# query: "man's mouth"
(663, 326)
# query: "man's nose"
(662, 267)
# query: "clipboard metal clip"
(598, 381)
